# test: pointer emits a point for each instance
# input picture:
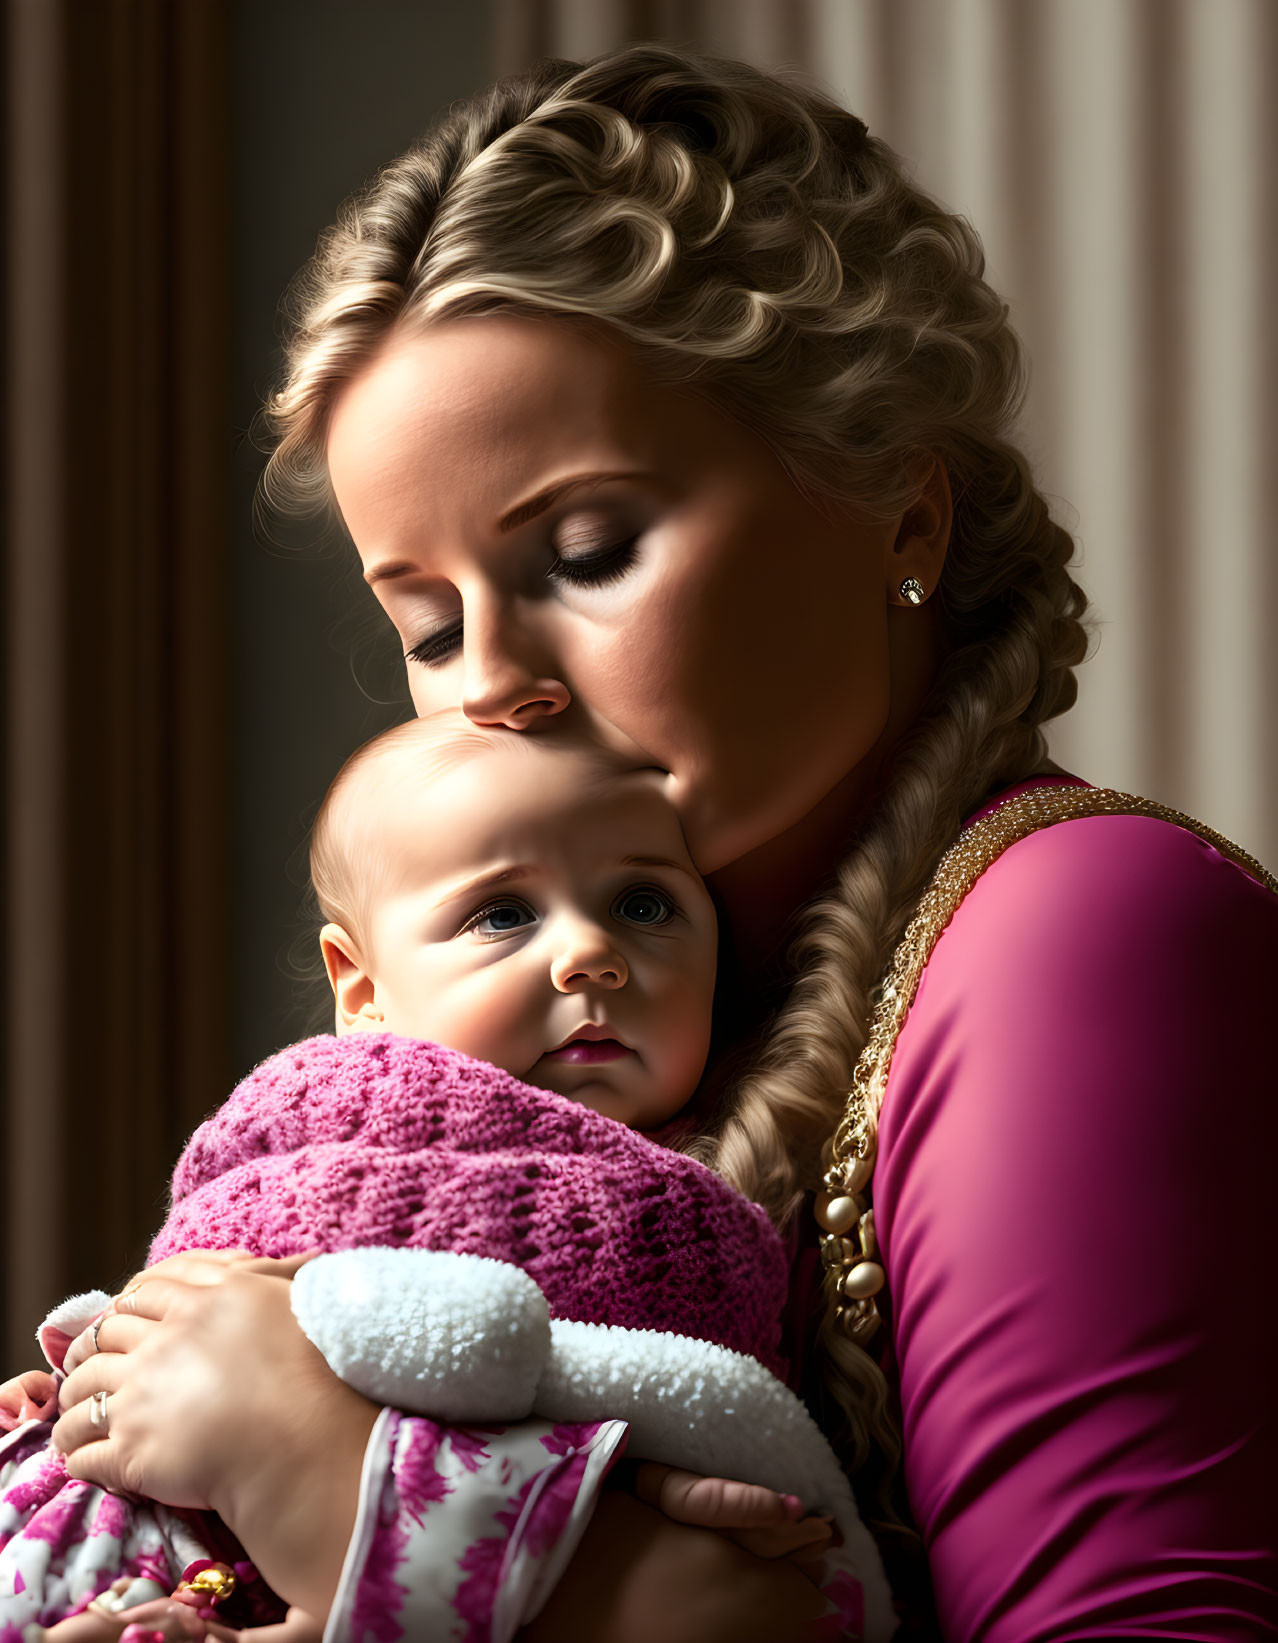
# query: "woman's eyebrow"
(388, 573)
(522, 512)
(519, 515)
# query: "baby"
(531, 905)
(528, 904)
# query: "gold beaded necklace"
(854, 1275)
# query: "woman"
(654, 398)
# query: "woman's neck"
(759, 894)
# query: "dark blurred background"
(180, 688)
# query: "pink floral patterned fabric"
(63, 1541)
(518, 1499)
(462, 1533)
(485, 1567)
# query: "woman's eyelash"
(608, 564)
(596, 569)
(435, 648)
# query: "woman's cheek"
(433, 688)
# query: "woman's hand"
(183, 1373)
(216, 1399)
(197, 1265)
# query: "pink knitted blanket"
(338, 1143)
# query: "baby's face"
(539, 911)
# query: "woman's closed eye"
(499, 918)
(436, 648)
(595, 568)
(579, 570)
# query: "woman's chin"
(811, 809)
(718, 837)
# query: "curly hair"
(750, 240)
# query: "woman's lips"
(580, 1052)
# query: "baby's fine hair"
(342, 842)
(749, 239)
(343, 850)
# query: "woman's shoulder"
(1115, 951)
(1105, 882)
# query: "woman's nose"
(587, 958)
(506, 679)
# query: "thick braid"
(980, 733)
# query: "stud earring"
(912, 589)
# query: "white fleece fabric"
(459, 1337)
(69, 1317)
(463, 1338)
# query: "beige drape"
(1120, 159)
(114, 448)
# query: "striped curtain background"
(113, 742)
(1120, 160)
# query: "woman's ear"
(922, 539)
(357, 1008)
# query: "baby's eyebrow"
(661, 861)
(489, 880)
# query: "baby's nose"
(589, 960)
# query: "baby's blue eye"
(500, 918)
(643, 906)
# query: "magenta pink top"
(1077, 1161)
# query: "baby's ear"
(354, 991)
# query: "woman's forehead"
(471, 411)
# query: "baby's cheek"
(488, 1016)
(682, 1030)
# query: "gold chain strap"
(849, 1249)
